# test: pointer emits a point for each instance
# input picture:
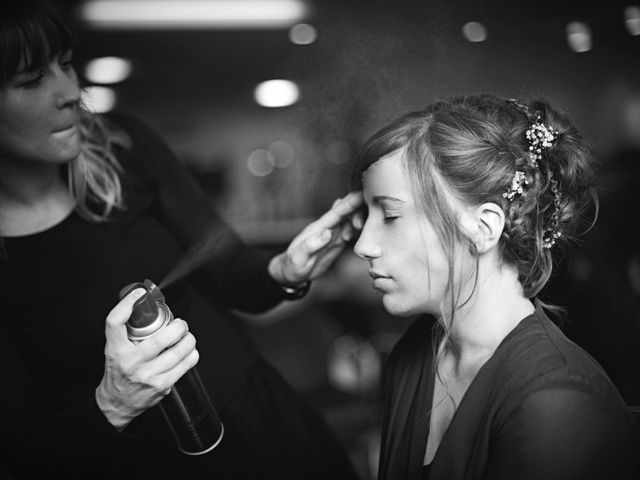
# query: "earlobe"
(490, 223)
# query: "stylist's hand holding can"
(137, 377)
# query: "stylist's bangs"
(32, 34)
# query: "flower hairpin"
(540, 138)
(517, 185)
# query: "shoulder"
(539, 349)
(539, 368)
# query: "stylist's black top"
(539, 408)
(58, 287)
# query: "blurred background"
(267, 102)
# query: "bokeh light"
(303, 34)
(475, 32)
(99, 99)
(579, 37)
(107, 70)
(283, 153)
(277, 93)
(261, 162)
(632, 20)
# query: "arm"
(44, 437)
(237, 276)
(563, 434)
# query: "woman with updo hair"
(469, 201)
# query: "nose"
(68, 90)
(366, 247)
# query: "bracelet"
(294, 293)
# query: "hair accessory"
(516, 188)
(553, 233)
(540, 137)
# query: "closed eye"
(33, 81)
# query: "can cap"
(145, 309)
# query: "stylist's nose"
(68, 89)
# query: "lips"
(66, 126)
(376, 275)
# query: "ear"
(487, 225)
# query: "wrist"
(111, 412)
(289, 290)
(294, 292)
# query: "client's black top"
(58, 287)
(539, 408)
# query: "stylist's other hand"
(138, 376)
(311, 253)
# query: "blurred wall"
(372, 61)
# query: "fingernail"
(138, 292)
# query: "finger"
(301, 253)
(341, 209)
(119, 315)
(325, 261)
(347, 231)
(169, 378)
(163, 339)
(357, 219)
(173, 356)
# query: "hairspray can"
(187, 409)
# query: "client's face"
(39, 114)
(407, 262)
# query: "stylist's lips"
(66, 130)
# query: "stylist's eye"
(32, 80)
(66, 59)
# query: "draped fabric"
(540, 407)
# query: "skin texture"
(39, 113)
(407, 262)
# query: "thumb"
(119, 315)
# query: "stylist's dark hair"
(26, 26)
(32, 34)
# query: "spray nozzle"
(145, 309)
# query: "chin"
(398, 308)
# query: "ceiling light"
(276, 93)
(579, 37)
(106, 70)
(224, 14)
(632, 20)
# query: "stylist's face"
(39, 114)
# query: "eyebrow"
(382, 198)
